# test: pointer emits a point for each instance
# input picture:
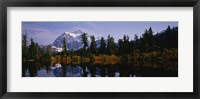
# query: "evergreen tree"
(168, 30)
(120, 47)
(25, 54)
(175, 37)
(150, 37)
(64, 46)
(126, 44)
(147, 39)
(102, 46)
(136, 42)
(93, 45)
(84, 41)
(136, 38)
(110, 45)
(32, 50)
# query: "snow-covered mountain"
(73, 40)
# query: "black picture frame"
(99, 3)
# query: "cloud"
(35, 29)
(40, 35)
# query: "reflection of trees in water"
(103, 69)
(31, 67)
(157, 69)
(124, 68)
(111, 70)
(91, 67)
(64, 69)
(47, 66)
(24, 68)
(85, 72)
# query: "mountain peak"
(75, 33)
(78, 32)
(73, 40)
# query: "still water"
(139, 69)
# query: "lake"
(136, 69)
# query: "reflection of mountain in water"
(139, 69)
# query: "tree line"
(145, 43)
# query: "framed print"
(90, 49)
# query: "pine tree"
(64, 46)
(25, 54)
(126, 44)
(175, 37)
(168, 37)
(147, 39)
(136, 37)
(150, 37)
(84, 41)
(102, 46)
(110, 45)
(168, 30)
(32, 49)
(136, 42)
(93, 45)
(120, 47)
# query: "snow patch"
(73, 34)
(58, 49)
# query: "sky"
(45, 33)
